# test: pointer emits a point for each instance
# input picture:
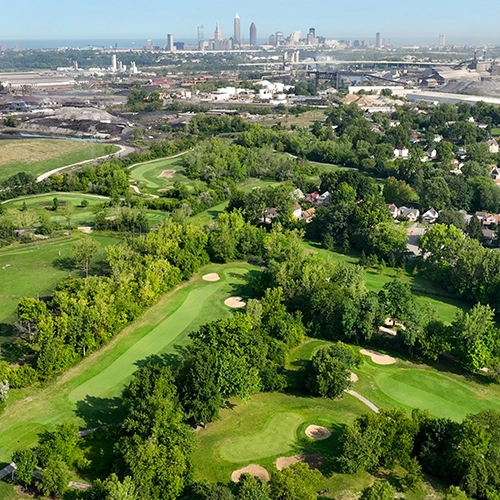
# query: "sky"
(401, 22)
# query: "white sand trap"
(312, 459)
(317, 432)
(211, 277)
(378, 358)
(166, 174)
(235, 302)
(254, 470)
(354, 377)
(85, 229)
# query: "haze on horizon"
(125, 19)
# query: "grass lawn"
(88, 393)
(147, 175)
(442, 388)
(37, 156)
(82, 216)
(209, 215)
(270, 425)
(424, 290)
(34, 269)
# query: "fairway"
(32, 270)
(86, 394)
(36, 156)
(148, 174)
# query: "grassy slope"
(83, 216)
(84, 396)
(35, 269)
(37, 156)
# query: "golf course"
(88, 393)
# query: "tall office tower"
(378, 41)
(217, 34)
(170, 42)
(253, 35)
(272, 40)
(442, 41)
(312, 31)
(237, 30)
(113, 63)
(279, 38)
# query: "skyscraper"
(442, 41)
(378, 41)
(237, 30)
(170, 42)
(217, 34)
(253, 35)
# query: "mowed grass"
(147, 175)
(425, 291)
(88, 394)
(33, 270)
(442, 388)
(82, 216)
(37, 156)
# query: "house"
(487, 219)
(323, 200)
(430, 154)
(411, 213)
(430, 216)
(270, 214)
(297, 211)
(393, 210)
(493, 146)
(312, 197)
(307, 215)
(297, 195)
(402, 153)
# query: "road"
(124, 151)
(414, 233)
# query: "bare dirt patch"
(317, 432)
(166, 174)
(235, 302)
(313, 460)
(379, 358)
(211, 277)
(254, 470)
(85, 229)
(354, 377)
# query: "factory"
(48, 81)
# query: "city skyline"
(52, 20)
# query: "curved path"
(157, 159)
(124, 151)
(60, 193)
(363, 400)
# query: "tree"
(55, 478)
(444, 152)
(114, 489)
(398, 192)
(398, 300)
(435, 193)
(388, 239)
(296, 482)
(474, 229)
(330, 370)
(84, 251)
(67, 212)
(381, 490)
(455, 493)
(26, 462)
(249, 488)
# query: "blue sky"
(126, 19)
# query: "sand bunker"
(317, 432)
(254, 470)
(211, 277)
(378, 358)
(85, 229)
(312, 459)
(354, 377)
(166, 174)
(235, 302)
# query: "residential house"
(486, 219)
(493, 146)
(411, 213)
(270, 214)
(312, 197)
(393, 210)
(307, 215)
(297, 195)
(297, 211)
(402, 153)
(430, 216)
(323, 200)
(430, 155)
